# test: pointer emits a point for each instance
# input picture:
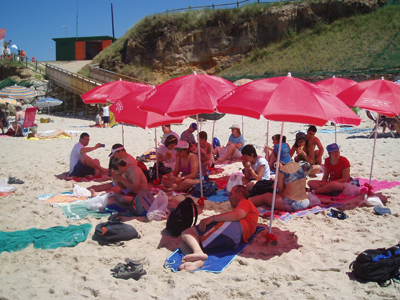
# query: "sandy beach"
(310, 260)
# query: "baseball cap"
(116, 148)
(285, 155)
(300, 135)
(332, 147)
(234, 126)
(182, 145)
(194, 126)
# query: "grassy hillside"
(359, 44)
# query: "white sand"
(310, 261)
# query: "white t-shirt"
(106, 112)
(98, 120)
(75, 156)
(170, 161)
(261, 161)
(167, 134)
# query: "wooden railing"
(107, 76)
(71, 81)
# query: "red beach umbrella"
(286, 99)
(110, 91)
(381, 96)
(335, 85)
(187, 95)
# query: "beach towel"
(78, 211)
(376, 185)
(3, 195)
(221, 196)
(50, 238)
(87, 178)
(215, 263)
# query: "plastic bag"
(79, 191)
(99, 202)
(6, 188)
(371, 201)
(158, 209)
(314, 200)
(235, 179)
(351, 189)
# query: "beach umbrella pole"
(271, 237)
(267, 153)
(123, 143)
(373, 155)
(155, 140)
(198, 152)
(335, 134)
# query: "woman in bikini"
(291, 194)
(187, 165)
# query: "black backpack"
(262, 187)
(379, 265)
(114, 231)
(182, 217)
(162, 170)
(209, 188)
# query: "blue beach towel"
(221, 196)
(216, 262)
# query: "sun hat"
(300, 136)
(234, 126)
(194, 126)
(285, 155)
(115, 150)
(182, 145)
(332, 147)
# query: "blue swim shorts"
(81, 170)
(220, 236)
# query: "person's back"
(294, 181)
(135, 174)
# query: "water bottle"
(206, 175)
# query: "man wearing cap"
(188, 136)
(219, 233)
(80, 164)
(312, 141)
(118, 150)
(336, 173)
(167, 131)
(233, 147)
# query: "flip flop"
(13, 180)
(379, 210)
(337, 214)
(127, 273)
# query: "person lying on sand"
(128, 181)
(51, 135)
(233, 147)
(81, 164)
(336, 173)
(239, 225)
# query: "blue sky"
(31, 25)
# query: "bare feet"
(191, 266)
(194, 257)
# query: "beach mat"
(215, 263)
(376, 184)
(87, 178)
(50, 238)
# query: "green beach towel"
(50, 238)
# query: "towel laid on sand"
(2, 194)
(215, 263)
(50, 238)
(376, 185)
(87, 178)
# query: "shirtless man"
(316, 155)
(118, 151)
(128, 180)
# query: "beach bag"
(182, 217)
(114, 231)
(351, 189)
(99, 202)
(162, 170)
(5, 187)
(216, 142)
(144, 169)
(209, 188)
(262, 187)
(79, 191)
(379, 265)
(142, 202)
(158, 210)
(235, 179)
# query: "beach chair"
(29, 121)
(383, 122)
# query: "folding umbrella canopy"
(187, 95)
(126, 111)
(110, 91)
(335, 85)
(17, 92)
(381, 96)
(48, 102)
(286, 99)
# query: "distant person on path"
(106, 116)
(166, 132)
(233, 228)
(81, 164)
(22, 54)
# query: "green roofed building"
(81, 48)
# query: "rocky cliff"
(222, 41)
